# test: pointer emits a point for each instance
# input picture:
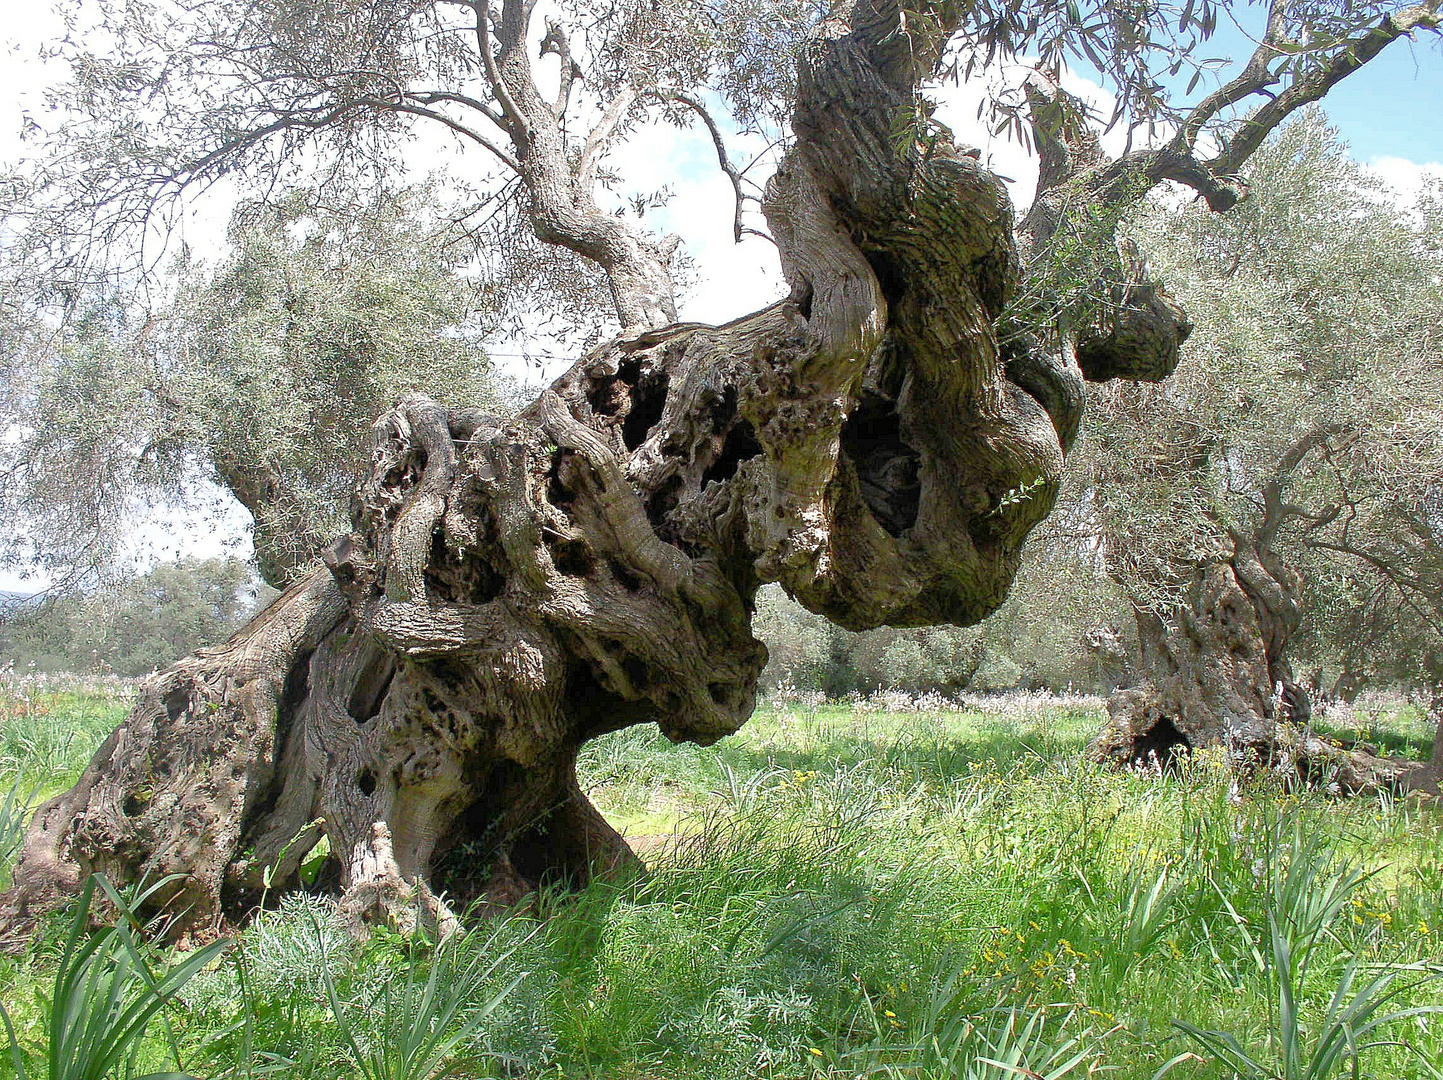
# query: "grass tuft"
(917, 889)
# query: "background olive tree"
(1278, 491)
(259, 374)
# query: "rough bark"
(880, 442)
(1430, 780)
(1435, 713)
(1215, 673)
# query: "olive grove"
(136, 626)
(879, 442)
(1274, 504)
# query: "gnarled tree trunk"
(515, 587)
(1215, 673)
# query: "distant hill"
(12, 601)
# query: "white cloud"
(1406, 178)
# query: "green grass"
(851, 891)
(1382, 725)
(51, 725)
(106, 994)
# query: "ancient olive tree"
(879, 442)
(1296, 458)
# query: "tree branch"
(314, 120)
(600, 135)
(696, 105)
(1275, 510)
(1348, 58)
(1066, 145)
(557, 43)
(1409, 587)
(493, 71)
(429, 97)
(1254, 78)
(1215, 178)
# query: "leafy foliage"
(277, 362)
(262, 375)
(14, 817)
(137, 624)
(1313, 368)
(165, 98)
(1308, 894)
(414, 1024)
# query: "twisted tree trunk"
(513, 588)
(1216, 673)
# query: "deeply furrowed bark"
(514, 588)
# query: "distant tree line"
(1052, 634)
(132, 625)
(135, 625)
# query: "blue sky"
(1391, 107)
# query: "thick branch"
(557, 43)
(1216, 178)
(599, 138)
(1254, 78)
(1066, 144)
(1275, 510)
(493, 71)
(1348, 57)
(563, 207)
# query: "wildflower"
(814, 1050)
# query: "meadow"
(888, 887)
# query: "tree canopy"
(172, 97)
(261, 374)
(1309, 408)
(1285, 478)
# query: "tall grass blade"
(106, 994)
(421, 1022)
